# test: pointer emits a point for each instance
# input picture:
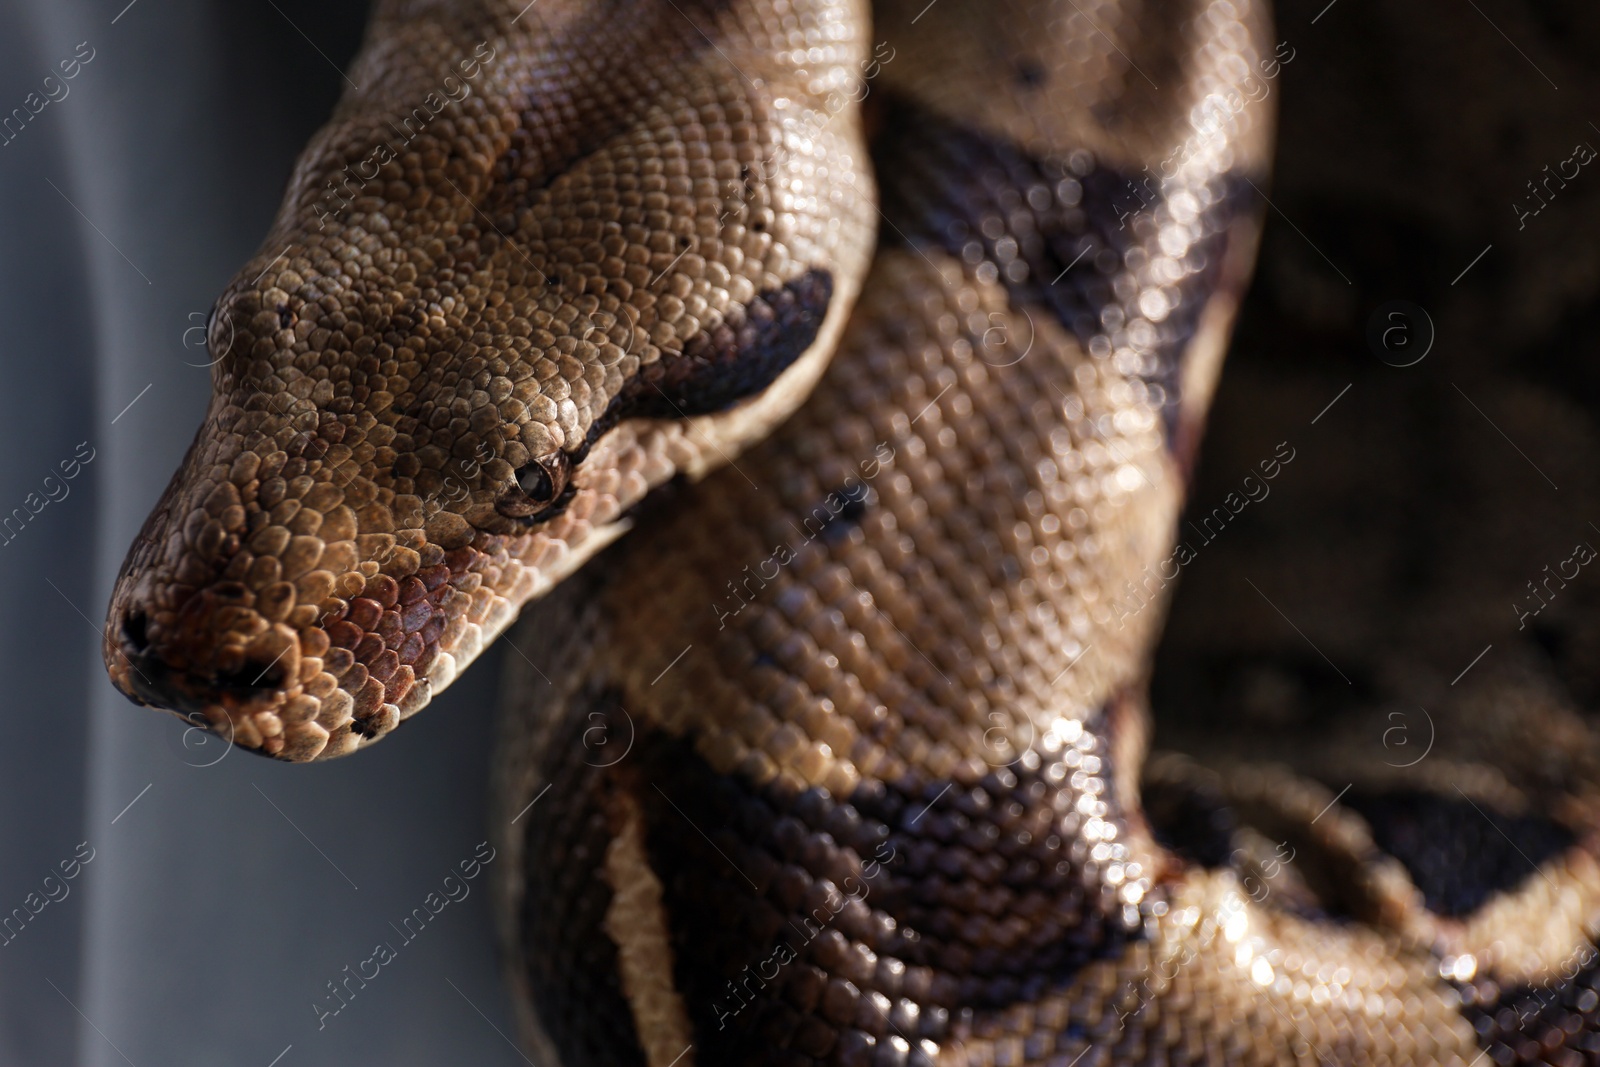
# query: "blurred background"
(1436, 471)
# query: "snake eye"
(538, 481)
(541, 489)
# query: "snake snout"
(152, 681)
(158, 682)
(204, 671)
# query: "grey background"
(206, 924)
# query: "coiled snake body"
(872, 702)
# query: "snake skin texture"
(884, 729)
(1402, 539)
(843, 756)
(540, 262)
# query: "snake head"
(478, 348)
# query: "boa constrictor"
(871, 698)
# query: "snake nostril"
(181, 668)
(136, 631)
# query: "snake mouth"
(287, 692)
(302, 681)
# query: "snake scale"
(890, 335)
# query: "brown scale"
(968, 897)
(1557, 1024)
(883, 684)
(926, 664)
(541, 261)
(566, 903)
(1458, 858)
(1056, 231)
(431, 406)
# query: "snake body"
(839, 758)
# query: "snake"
(887, 339)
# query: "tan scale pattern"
(917, 742)
(933, 699)
(544, 204)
